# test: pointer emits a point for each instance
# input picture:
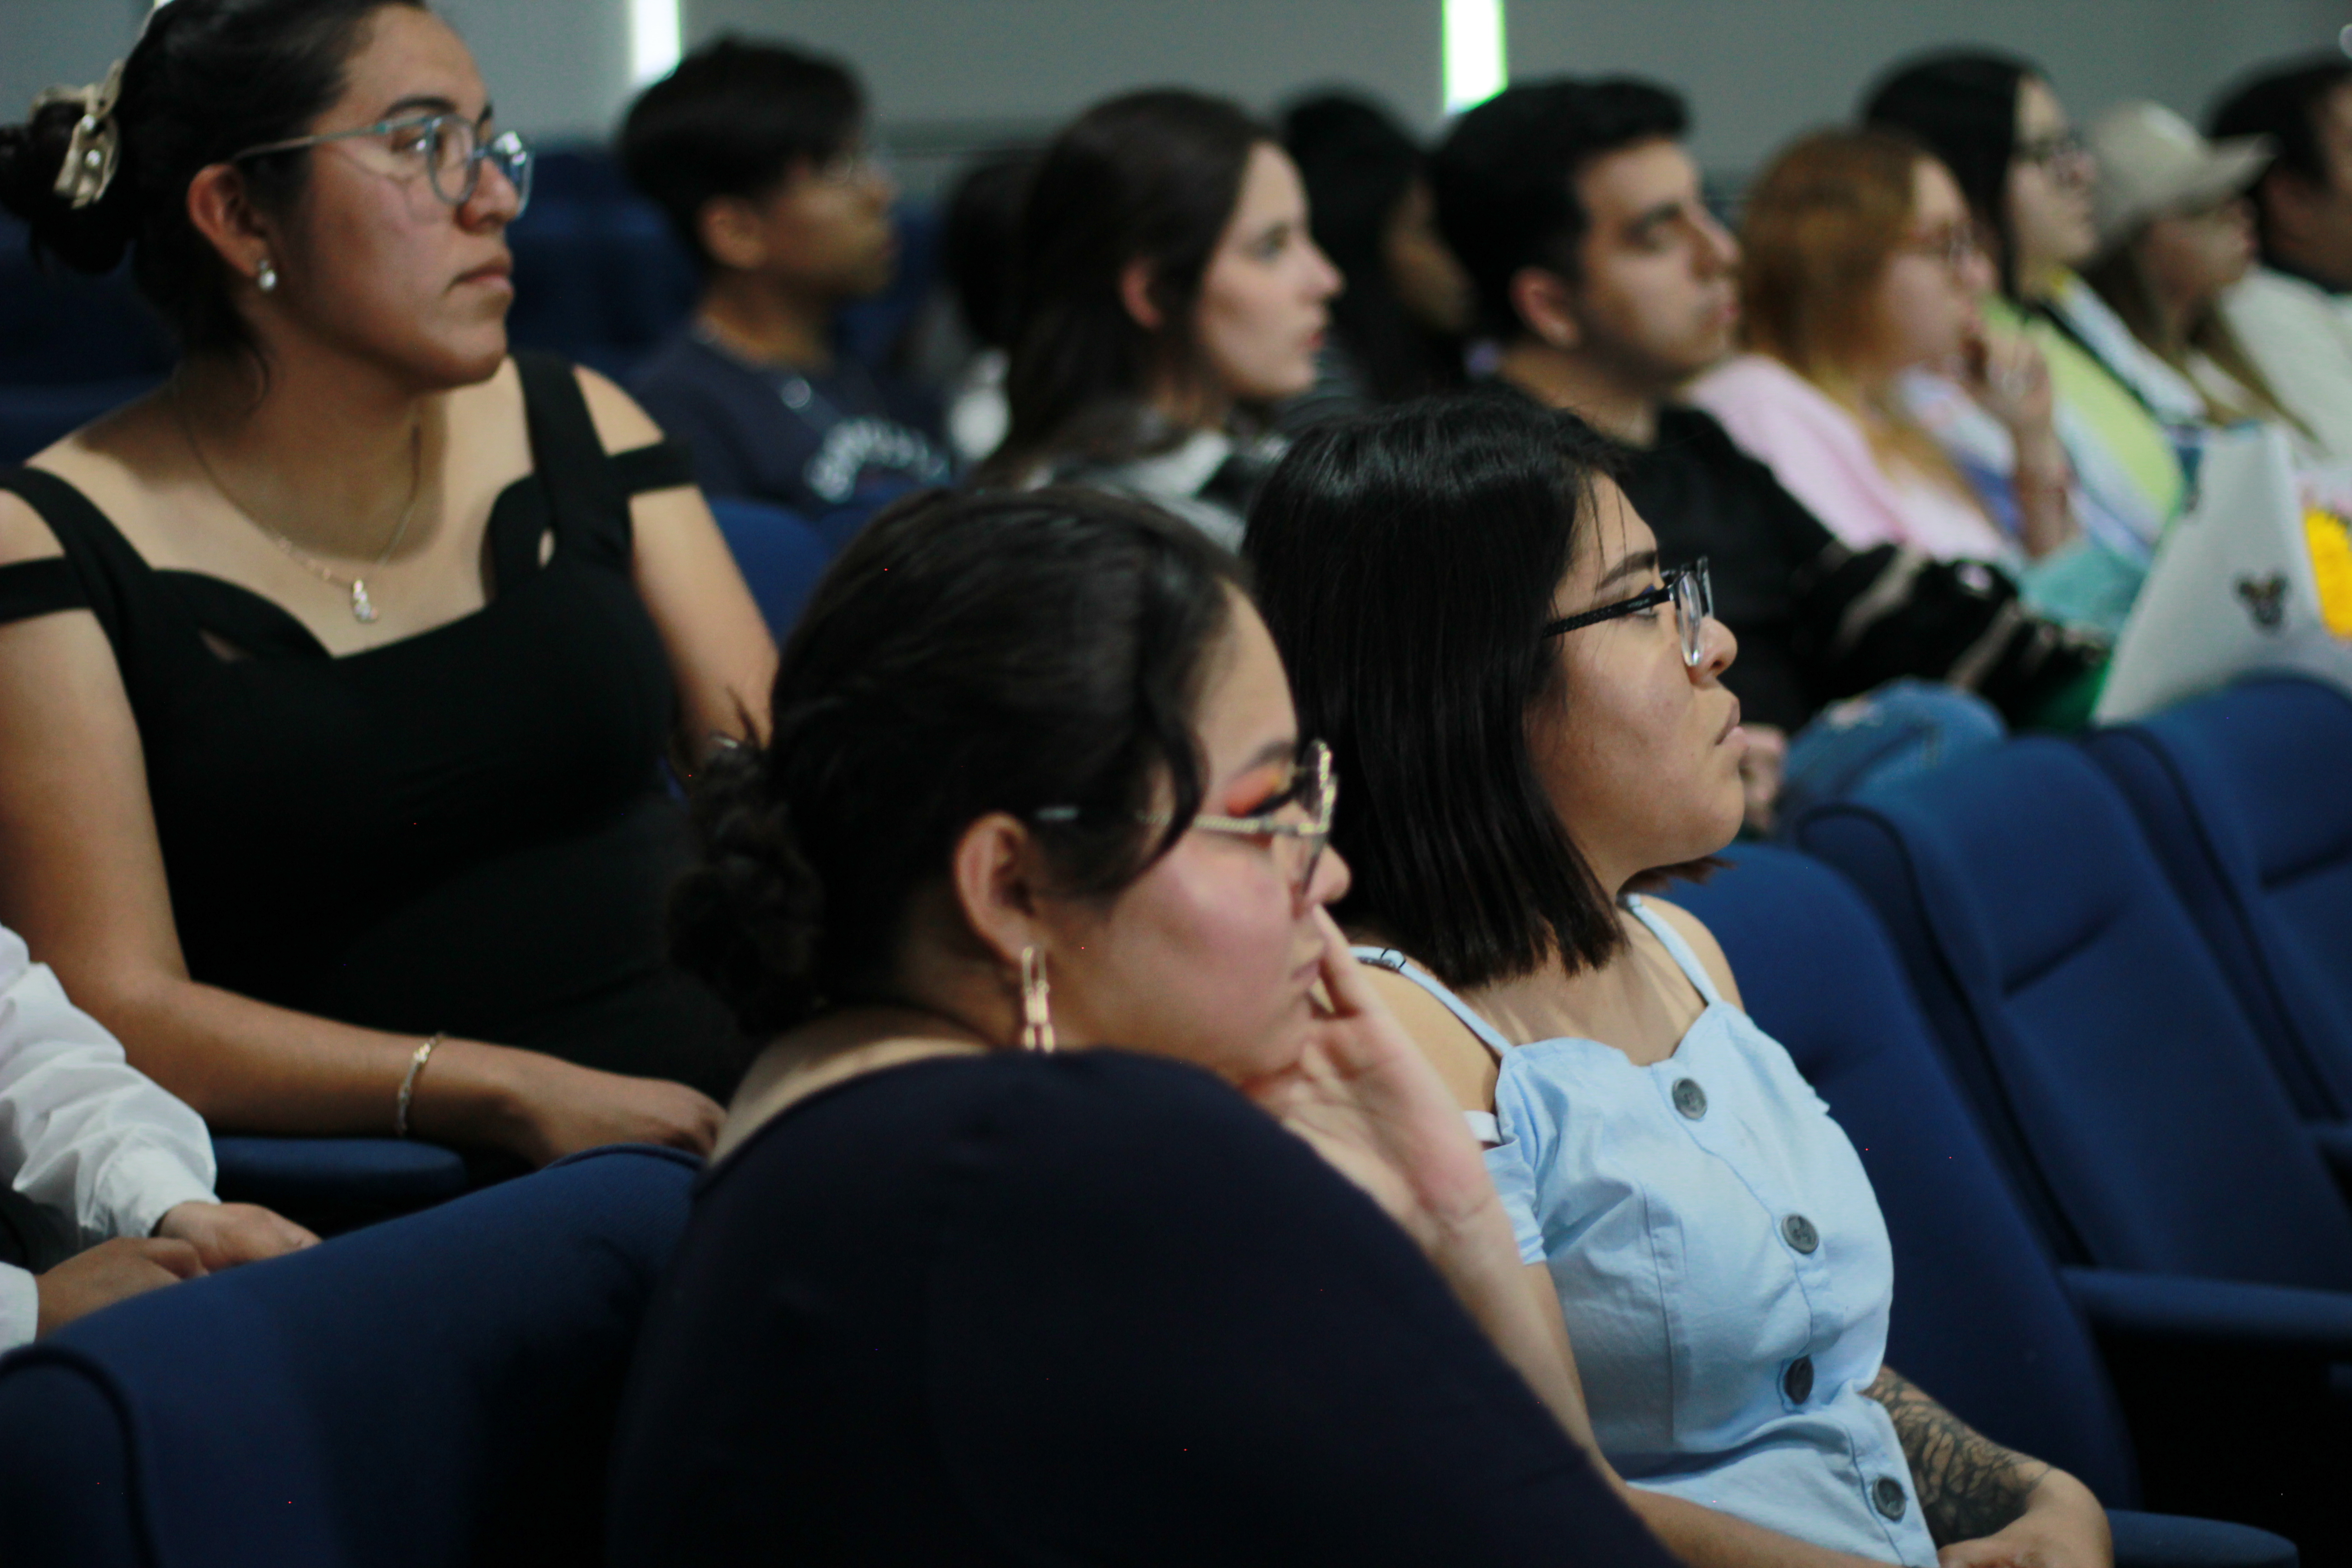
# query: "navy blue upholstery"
(2093, 1033)
(2244, 796)
(58, 326)
(32, 417)
(1981, 1319)
(334, 1184)
(2081, 1006)
(780, 555)
(437, 1389)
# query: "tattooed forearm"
(1968, 1486)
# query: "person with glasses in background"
(1607, 284)
(339, 674)
(2027, 177)
(1083, 1208)
(1530, 717)
(758, 155)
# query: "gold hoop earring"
(265, 277)
(1036, 1017)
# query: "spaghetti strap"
(1396, 963)
(1676, 948)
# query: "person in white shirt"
(97, 1149)
(2293, 313)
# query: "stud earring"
(1036, 1018)
(265, 277)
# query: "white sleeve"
(20, 1308)
(2303, 344)
(83, 1133)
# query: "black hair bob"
(967, 654)
(207, 80)
(1406, 563)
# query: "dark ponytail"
(967, 654)
(207, 80)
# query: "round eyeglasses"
(1686, 587)
(450, 148)
(1298, 820)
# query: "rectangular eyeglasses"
(1684, 587)
(451, 147)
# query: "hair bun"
(748, 919)
(88, 239)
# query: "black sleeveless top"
(467, 830)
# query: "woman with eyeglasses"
(2027, 177)
(1859, 268)
(998, 1261)
(1532, 722)
(337, 675)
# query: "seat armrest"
(2178, 1306)
(2168, 1541)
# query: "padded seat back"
(780, 555)
(2247, 799)
(435, 1390)
(2079, 1006)
(1981, 1319)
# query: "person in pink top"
(1861, 267)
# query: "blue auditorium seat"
(2247, 799)
(780, 555)
(2125, 1092)
(58, 327)
(436, 1390)
(1981, 1319)
(333, 1185)
(32, 417)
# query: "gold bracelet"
(417, 1061)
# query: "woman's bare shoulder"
(1693, 930)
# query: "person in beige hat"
(2176, 232)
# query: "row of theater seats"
(2084, 1010)
(599, 277)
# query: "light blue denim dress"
(1721, 1262)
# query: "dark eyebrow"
(429, 103)
(1641, 563)
(1664, 212)
(1273, 752)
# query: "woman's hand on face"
(225, 1235)
(2008, 376)
(566, 1108)
(1367, 1101)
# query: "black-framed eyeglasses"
(1299, 817)
(2066, 147)
(1686, 588)
(451, 149)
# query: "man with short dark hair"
(1607, 283)
(756, 154)
(2292, 315)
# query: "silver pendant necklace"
(364, 608)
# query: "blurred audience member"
(2174, 232)
(1608, 283)
(2293, 314)
(1861, 265)
(1397, 331)
(2027, 177)
(1034, 790)
(1527, 706)
(976, 244)
(1170, 292)
(91, 1148)
(337, 673)
(758, 154)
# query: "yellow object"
(2331, 562)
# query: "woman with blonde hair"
(1862, 268)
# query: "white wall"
(1758, 71)
(950, 74)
